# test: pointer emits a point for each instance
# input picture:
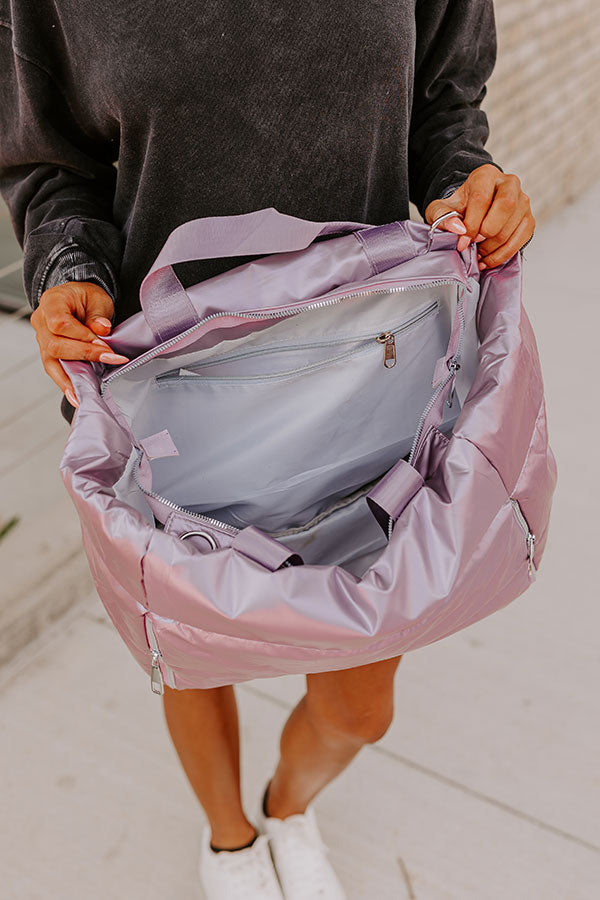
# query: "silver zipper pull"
(156, 680)
(454, 367)
(530, 552)
(450, 400)
(389, 348)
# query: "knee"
(353, 723)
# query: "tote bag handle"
(165, 303)
(167, 307)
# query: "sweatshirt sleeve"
(455, 55)
(57, 181)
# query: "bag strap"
(167, 308)
(393, 492)
(165, 303)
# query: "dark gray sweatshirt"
(324, 110)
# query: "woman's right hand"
(70, 323)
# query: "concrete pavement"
(485, 788)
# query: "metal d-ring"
(204, 534)
(435, 224)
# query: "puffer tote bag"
(325, 457)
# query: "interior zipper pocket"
(156, 676)
(529, 536)
(381, 287)
(385, 339)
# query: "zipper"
(309, 345)
(51, 259)
(389, 348)
(337, 505)
(453, 368)
(218, 525)
(279, 314)
(214, 523)
(529, 536)
(390, 353)
(156, 677)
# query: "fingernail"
(71, 398)
(480, 238)
(456, 226)
(113, 359)
(101, 342)
(102, 321)
(482, 265)
(463, 242)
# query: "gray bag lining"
(275, 427)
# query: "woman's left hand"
(495, 212)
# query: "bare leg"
(203, 725)
(340, 712)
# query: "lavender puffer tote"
(323, 458)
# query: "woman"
(326, 111)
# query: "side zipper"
(529, 536)
(453, 368)
(156, 676)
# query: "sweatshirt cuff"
(100, 241)
(441, 192)
(450, 190)
(74, 264)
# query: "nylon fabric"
(224, 605)
(307, 406)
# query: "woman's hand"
(495, 211)
(70, 321)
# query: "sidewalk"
(485, 788)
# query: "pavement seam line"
(449, 782)
(29, 408)
(29, 654)
(77, 552)
(11, 267)
(407, 879)
(35, 450)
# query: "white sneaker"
(300, 857)
(240, 874)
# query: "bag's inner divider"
(272, 428)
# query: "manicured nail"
(113, 359)
(101, 342)
(71, 398)
(482, 266)
(463, 242)
(102, 321)
(456, 226)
